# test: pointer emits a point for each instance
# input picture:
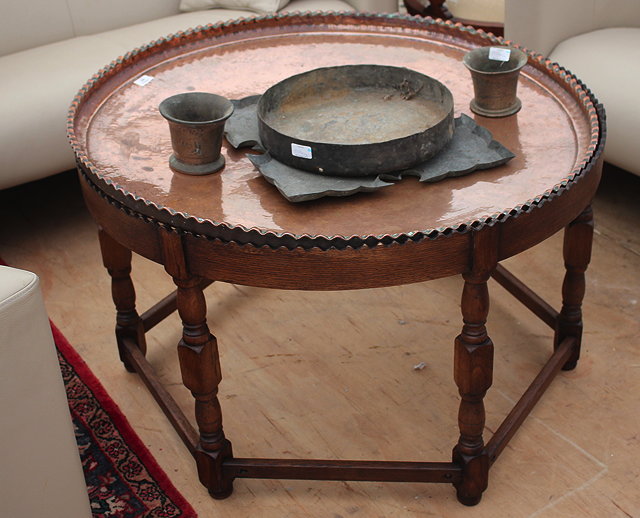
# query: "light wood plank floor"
(331, 374)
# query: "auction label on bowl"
(301, 151)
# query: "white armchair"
(599, 41)
(41, 474)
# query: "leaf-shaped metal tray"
(471, 148)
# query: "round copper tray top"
(122, 142)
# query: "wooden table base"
(473, 367)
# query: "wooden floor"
(331, 375)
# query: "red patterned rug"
(123, 479)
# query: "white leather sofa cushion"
(41, 473)
(24, 25)
(373, 6)
(540, 25)
(315, 5)
(39, 84)
(91, 16)
(608, 62)
(259, 6)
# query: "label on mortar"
(499, 54)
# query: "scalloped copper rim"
(251, 237)
(179, 221)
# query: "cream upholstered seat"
(41, 473)
(599, 41)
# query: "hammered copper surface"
(128, 143)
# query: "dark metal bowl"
(355, 120)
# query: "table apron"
(350, 268)
(281, 268)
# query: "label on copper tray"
(143, 80)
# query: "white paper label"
(499, 54)
(143, 80)
(301, 151)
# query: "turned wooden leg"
(578, 238)
(473, 368)
(200, 368)
(117, 260)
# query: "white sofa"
(599, 41)
(41, 474)
(50, 48)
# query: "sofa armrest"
(541, 24)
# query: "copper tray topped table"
(235, 227)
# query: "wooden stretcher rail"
(526, 295)
(352, 470)
(369, 471)
(158, 312)
(523, 407)
(168, 405)
(311, 469)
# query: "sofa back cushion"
(541, 24)
(375, 6)
(92, 16)
(24, 25)
(258, 6)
